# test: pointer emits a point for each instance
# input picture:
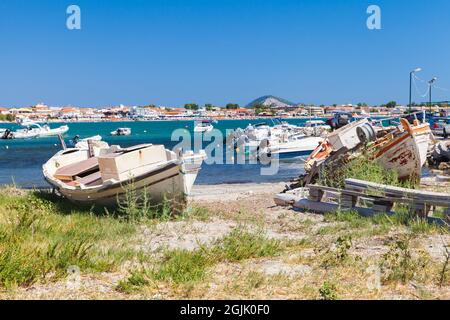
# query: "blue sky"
(172, 52)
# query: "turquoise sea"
(21, 160)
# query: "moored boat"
(203, 126)
(295, 146)
(121, 132)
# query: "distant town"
(267, 106)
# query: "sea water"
(21, 160)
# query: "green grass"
(241, 245)
(40, 239)
(184, 267)
(362, 168)
(134, 282)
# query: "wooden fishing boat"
(403, 149)
(102, 174)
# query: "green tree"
(391, 104)
(209, 107)
(191, 106)
(232, 106)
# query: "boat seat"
(89, 180)
(72, 171)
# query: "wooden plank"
(70, 172)
(360, 185)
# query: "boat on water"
(203, 126)
(77, 142)
(402, 149)
(33, 130)
(297, 145)
(121, 132)
(46, 131)
(19, 134)
(102, 174)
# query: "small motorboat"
(203, 126)
(296, 146)
(102, 174)
(45, 130)
(19, 134)
(121, 132)
(77, 142)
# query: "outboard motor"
(7, 134)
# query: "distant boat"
(102, 174)
(46, 131)
(19, 134)
(121, 132)
(77, 142)
(203, 126)
(317, 124)
(296, 146)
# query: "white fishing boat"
(296, 146)
(102, 174)
(121, 132)
(203, 126)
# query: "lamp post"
(410, 86)
(430, 83)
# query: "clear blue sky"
(171, 52)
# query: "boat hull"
(171, 181)
(407, 153)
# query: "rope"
(417, 88)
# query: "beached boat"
(121, 132)
(403, 149)
(102, 174)
(203, 126)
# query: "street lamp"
(410, 85)
(430, 83)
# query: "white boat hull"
(44, 132)
(199, 129)
(407, 153)
(172, 180)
